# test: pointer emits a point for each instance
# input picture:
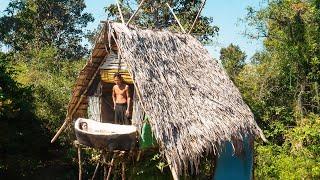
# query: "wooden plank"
(94, 53)
(96, 60)
(114, 47)
(95, 65)
(82, 82)
(83, 106)
(104, 53)
(115, 67)
(73, 99)
(89, 68)
(81, 76)
(100, 52)
(113, 71)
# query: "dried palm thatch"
(194, 107)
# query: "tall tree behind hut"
(33, 24)
(291, 39)
(156, 15)
(233, 60)
(281, 86)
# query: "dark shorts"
(120, 114)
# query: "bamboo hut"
(192, 105)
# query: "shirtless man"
(121, 100)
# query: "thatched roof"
(193, 105)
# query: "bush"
(297, 158)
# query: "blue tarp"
(230, 166)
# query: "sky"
(225, 13)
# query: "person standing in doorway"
(121, 100)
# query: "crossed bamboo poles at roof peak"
(171, 10)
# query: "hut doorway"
(107, 111)
(100, 103)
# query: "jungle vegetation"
(44, 55)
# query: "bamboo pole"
(79, 158)
(140, 5)
(176, 18)
(66, 121)
(120, 12)
(199, 12)
(173, 171)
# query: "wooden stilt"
(79, 158)
(123, 165)
(105, 164)
(95, 171)
(138, 156)
(111, 165)
(123, 174)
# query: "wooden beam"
(140, 5)
(199, 12)
(176, 18)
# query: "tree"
(155, 14)
(291, 31)
(232, 59)
(281, 85)
(33, 24)
(14, 98)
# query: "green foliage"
(291, 28)
(14, 98)
(298, 158)
(51, 81)
(36, 79)
(35, 89)
(33, 24)
(156, 14)
(18, 124)
(232, 59)
(281, 85)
